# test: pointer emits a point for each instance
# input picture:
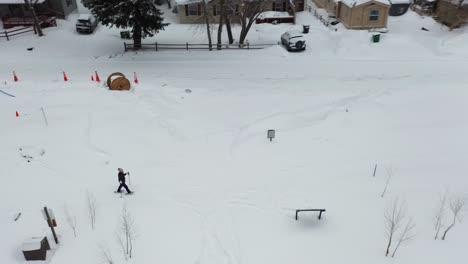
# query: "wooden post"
(187, 45)
(44, 115)
(125, 47)
(156, 44)
(49, 222)
(6, 35)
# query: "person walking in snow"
(122, 181)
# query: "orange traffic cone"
(17, 114)
(135, 78)
(65, 78)
(15, 78)
(97, 77)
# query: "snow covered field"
(210, 188)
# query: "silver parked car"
(86, 23)
(293, 41)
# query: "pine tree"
(142, 16)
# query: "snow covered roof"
(32, 244)
(395, 2)
(187, 2)
(273, 14)
(19, 2)
(352, 3)
(83, 16)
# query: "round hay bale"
(112, 76)
(120, 84)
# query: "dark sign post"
(271, 134)
(51, 222)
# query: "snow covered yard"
(210, 188)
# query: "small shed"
(399, 7)
(363, 14)
(36, 248)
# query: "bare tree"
(71, 219)
(206, 17)
(248, 11)
(456, 205)
(29, 6)
(394, 215)
(121, 243)
(390, 173)
(105, 254)
(91, 206)
(405, 235)
(439, 214)
(127, 232)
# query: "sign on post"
(271, 134)
(50, 218)
(52, 222)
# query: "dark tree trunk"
(137, 37)
(389, 245)
(207, 22)
(228, 29)
(169, 4)
(30, 7)
(220, 24)
(245, 31)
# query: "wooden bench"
(313, 210)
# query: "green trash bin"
(376, 38)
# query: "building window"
(374, 15)
(299, 5)
(192, 10)
(279, 6)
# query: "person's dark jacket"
(122, 176)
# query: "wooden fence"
(187, 46)
(7, 33)
(10, 33)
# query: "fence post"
(6, 35)
(156, 44)
(187, 45)
(125, 47)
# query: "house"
(363, 14)
(190, 11)
(399, 7)
(17, 8)
(358, 14)
(453, 13)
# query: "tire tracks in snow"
(308, 117)
(88, 140)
